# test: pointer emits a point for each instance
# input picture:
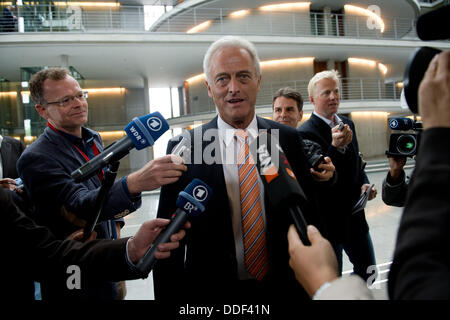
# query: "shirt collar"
(327, 121)
(86, 135)
(227, 132)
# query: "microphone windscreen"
(194, 197)
(434, 25)
(276, 173)
(145, 130)
(401, 123)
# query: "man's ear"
(41, 110)
(209, 90)
(311, 99)
(300, 116)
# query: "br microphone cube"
(190, 203)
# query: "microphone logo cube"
(154, 123)
(200, 193)
(393, 123)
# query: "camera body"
(405, 142)
(313, 153)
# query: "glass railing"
(123, 19)
(352, 89)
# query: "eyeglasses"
(64, 102)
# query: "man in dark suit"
(346, 230)
(420, 269)
(10, 151)
(212, 263)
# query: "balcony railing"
(123, 19)
(352, 89)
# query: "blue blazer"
(60, 203)
(63, 205)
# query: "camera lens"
(406, 144)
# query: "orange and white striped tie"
(254, 235)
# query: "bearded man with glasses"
(60, 203)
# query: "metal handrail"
(352, 89)
(124, 19)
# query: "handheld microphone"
(141, 132)
(279, 180)
(191, 202)
(183, 148)
(404, 124)
(401, 123)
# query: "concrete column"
(64, 60)
(137, 104)
(326, 20)
(330, 64)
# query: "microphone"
(404, 124)
(434, 25)
(280, 183)
(191, 202)
(183, 148)
(141, 132)
(401, 123)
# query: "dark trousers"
(360, 253)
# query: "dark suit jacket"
(340, 223)
(31, 252)
(421, 265)
(205, 266)
(11, 149)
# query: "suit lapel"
(322, 127)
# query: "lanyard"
(93, 146)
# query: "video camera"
(432, 25)
(404, 144)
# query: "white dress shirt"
(229, 147)
(327, 121)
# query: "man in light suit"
(346, 230)
(10, 151)
(211, 263)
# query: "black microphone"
(280, 183)
(191, 202)
(141, 132)
(401, 123)
(434, 25)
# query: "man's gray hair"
(230, 41)
(328, 74)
